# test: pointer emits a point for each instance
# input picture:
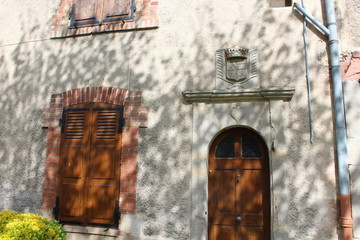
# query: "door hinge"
(116, 213)
(72, 16)
(56, 209)
(62, 121)
(61, 124)
(121, 122)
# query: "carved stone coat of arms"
(236, 65)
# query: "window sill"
(106, 28)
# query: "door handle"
(238, 178)
(238, 218)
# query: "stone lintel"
(238, 95)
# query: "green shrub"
(28, 226)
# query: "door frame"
(209, 121)
(214, 111)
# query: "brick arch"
(135, 117)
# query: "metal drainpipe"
(308, 77)
(341, 145)
(339, 118)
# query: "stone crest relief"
(236, 66)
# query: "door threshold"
(109, 232)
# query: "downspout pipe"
(340, 134)
(308, 81)
(341, 153)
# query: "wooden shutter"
(90, 12)
(104, 166)
(118, 10)
(73, 157)
(89, 173)
(84, 12)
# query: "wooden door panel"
(71, 204)
(252, 233)
(101, 203)
(252, 219)
(225, 219)
(225, 191)
(250, 164)
(102, 164)
(251, 191)
(238, 164)
(73, 162)
(224, 194)
(225, 232)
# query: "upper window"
(95, 12)
(250, 147)
(84, 17)
(226, 148)
(280, 3)
(239, 144)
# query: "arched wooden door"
(239, 187)
(89, 169)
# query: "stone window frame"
(145, 17)
(136, 117)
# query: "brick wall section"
(145, 17)
(136, 116)
(350, 67)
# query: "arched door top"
(243, 128)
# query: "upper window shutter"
(84, 12)
(118, 10)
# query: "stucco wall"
(164, 62)
(353, 13)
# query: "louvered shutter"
(89, 174)
(84, 12)
(118, 10)
(73, 156)
(104, 166)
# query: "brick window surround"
(145, 17)
(136, 117)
